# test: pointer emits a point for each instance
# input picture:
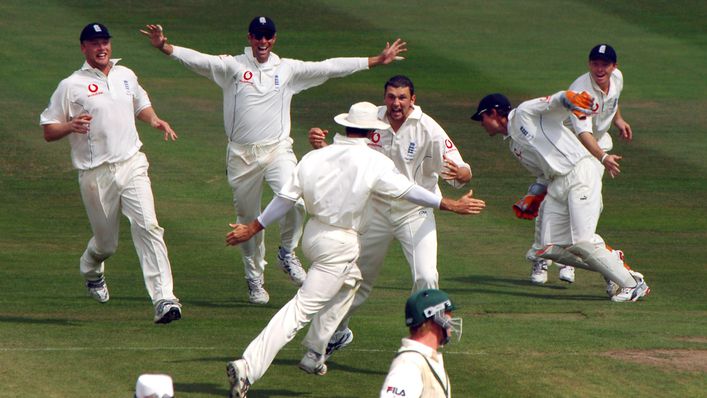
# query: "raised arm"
(389, 54)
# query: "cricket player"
(96, 108)
(570, 211)
(418, 368)
(336, 184)
(257, 89)
(604, 82)
(421, 149)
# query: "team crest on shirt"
(410, 154)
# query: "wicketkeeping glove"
(580, 104)
(527, 208)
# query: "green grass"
(519, 340)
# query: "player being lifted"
(604, 82)
(550, 151)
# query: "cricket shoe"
(256, 292)
(313, 363)
(632, 293)
(291, 265)
(98, 290)
(167, 311)
(567, 274)
(237, 372)
(538, 274)
(339, 340)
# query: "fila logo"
(395, 391)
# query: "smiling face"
(601, 71)
(97, 53)
(399, 103)
(262, 45)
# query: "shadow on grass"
(544, 291)
(46, 321)
(219, 391)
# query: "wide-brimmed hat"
(362, 115)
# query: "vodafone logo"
(375, 137)
(247, 75)
(448, 143)
(92, 88)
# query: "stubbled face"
(97, 53)
(491, 122)
(261, 45)
(601, 71)
(399, 102)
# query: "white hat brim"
(376, 124)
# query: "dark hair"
(361, 132)
(399, 81)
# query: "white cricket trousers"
(125, 187)
(417, 234)
(324, 298)
(248, 167)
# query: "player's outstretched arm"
(157, 38)
(389, 54)
(467, 204)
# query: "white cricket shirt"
(113, 101)
(337, 181)
(608, 104)
(540, 140)
(257, 97)
(412, 376)
(417, 150)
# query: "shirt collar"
(273, 60)
(419, 347)
(342, 139)
(86, 66)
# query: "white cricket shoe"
(167, 311)
(538, 275)
(291, 265)
(98, 290)
(237, 372)
(567, 274)
(632, 293)
(612, 288)
(313, 363)
(339, 340)
(256, 292)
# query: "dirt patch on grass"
(693, 339)
(683, 360)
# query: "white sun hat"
(362, 115)
(154, 386)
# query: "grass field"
(519, 340)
